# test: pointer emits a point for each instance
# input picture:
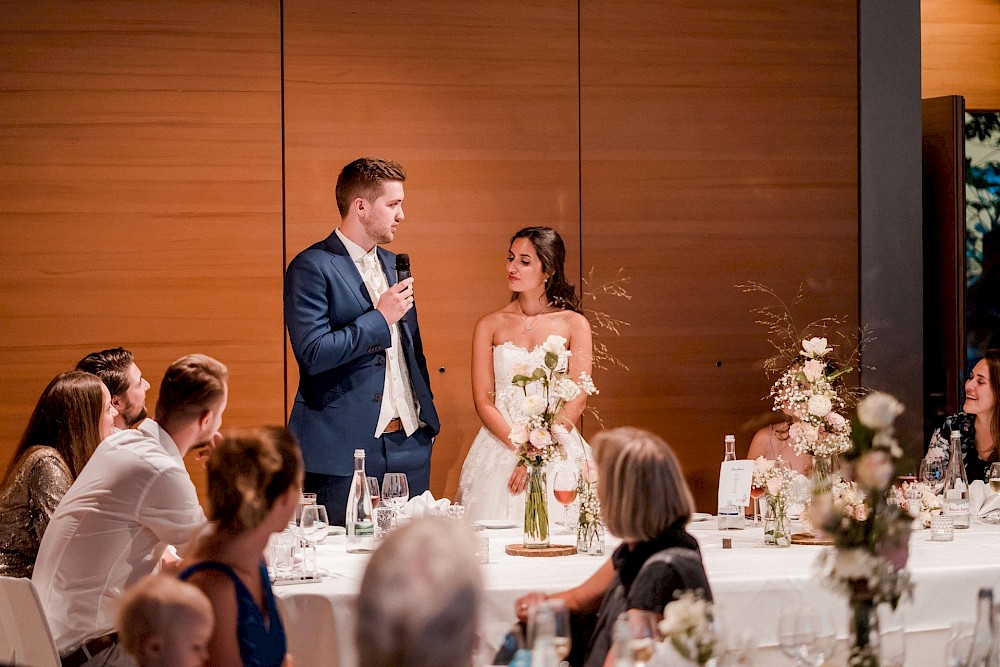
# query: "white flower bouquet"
(687, 625)
(807, 392)
(540, 393)
(916, 498)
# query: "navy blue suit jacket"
(339, 341)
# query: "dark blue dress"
(262, 644)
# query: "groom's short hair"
(642, 488)
(364, 178)
(420, 598)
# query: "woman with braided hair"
(254, 485)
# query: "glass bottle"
(956, 485)
(983, 635)
(360, 520)
(543, 640)
(730, 516)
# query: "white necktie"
(372, 276)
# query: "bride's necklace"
(524, 319)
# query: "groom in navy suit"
(363, 381)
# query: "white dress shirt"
(397, 394)
(132, 499)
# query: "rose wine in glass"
(564, 488)
(756, 492)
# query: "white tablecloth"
(751, 583)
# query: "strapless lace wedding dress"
(489, 463)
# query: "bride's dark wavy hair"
(552, 252)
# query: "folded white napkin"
(982, 501)
(423, 504)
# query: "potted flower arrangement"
(778, 481)
(590, 531)
(687, 626)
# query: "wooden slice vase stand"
(807, 538)
(540, 552)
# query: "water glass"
(551, 618)
(309, 566)
(383, 522)
(395, 492)
(482, 547)
(282, 553)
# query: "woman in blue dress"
(254, 485)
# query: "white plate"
(701, 516)
(497, 523)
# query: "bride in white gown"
(508, 340)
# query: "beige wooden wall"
(960, 51)
(695, 147)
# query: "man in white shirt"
(115, 522)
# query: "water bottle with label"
(360, 519)
(730, 516)
(956, 485)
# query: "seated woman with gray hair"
(646, 502)
(420, 598)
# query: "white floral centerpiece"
(806, 391)
(589, 526)
(868, 559)
(918, 499)
(534, 406)
(781, 489)
(687, 625)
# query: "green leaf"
(551, 359)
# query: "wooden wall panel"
(960, 50)
(719, 146)
(141, 179)
(478, 101)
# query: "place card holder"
(296, 578)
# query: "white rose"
(533, 405)
(566, 390)
(820, 405)
(814, 348)
(554, 345)
(813, 369)
(878, 410)
(518, 434)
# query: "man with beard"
(114, 524)
(363, 381)
(116, 367)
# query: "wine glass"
(756, 492)
(797, 630)
(932, 473)
(373, 491)
(994, 477)
(551, 616)
(314, 523)
(564, 488)
(637, 630)
(956, 651)
(304, 499)
(395, 492)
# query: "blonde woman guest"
(646, 502)
(420, 599)
(72, 416)
(507, 342)
(254, 486)
(165, 623)
(979, 421)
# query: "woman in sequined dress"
(72, 416)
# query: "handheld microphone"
(403, 267)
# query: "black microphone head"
(402, 262)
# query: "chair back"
(25, 638)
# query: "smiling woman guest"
(508, 342)
(979, 421)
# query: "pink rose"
(518, 434)
(774, 486)
(836, 420)
(540, 438)
(861, 512)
